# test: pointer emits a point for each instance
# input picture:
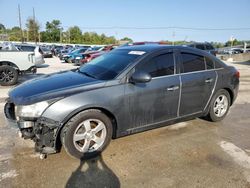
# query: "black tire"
(69, 129)
(8, 75)
(212, 114)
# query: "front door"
(155, 101)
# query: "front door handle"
(209, 80)
(173, 88)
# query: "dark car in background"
(204, 46)
(92, 54)
(47, 52)
(55, 49)
(128, 90)
(63, 52)
(71, 56)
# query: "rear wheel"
(8, 75)
(219, 105)
(87, 134)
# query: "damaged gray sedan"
(129, 90)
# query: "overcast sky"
(142, 14)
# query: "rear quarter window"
(217, 65)
(209, 63)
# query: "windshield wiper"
(87, 74)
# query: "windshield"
(109, 65)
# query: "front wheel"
(87, 134)
(8, 75)
(219, 105)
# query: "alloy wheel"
(220, 105)
(89, 135)
(6, 76)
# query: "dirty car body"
(137, 93)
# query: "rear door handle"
(173, 88)
(209, 80)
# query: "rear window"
(192, 62)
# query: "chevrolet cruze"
(128, 90)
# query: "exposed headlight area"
(31, 111)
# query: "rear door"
(157, 100)
(197, 82)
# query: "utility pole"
(20, 23)
(34, 29)
(34, 17)
(173, 37)
(61, 35)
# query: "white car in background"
(15, 61)
(38, 53)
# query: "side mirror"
(140, 77)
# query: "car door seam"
(216, 78)
(179, 101)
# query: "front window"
(109, 65)
(161, 65)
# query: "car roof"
(156, 47)
(146, 47)
(151, 48)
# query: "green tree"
(33, 29)
(233, 43)
(52, 33)
(15, 34)
(86, 38)
(75, 35)
(127, 39)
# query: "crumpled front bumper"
(42, 131)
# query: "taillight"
(237, 74)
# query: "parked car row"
(232, 51)
(83, 55)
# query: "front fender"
(109, 98)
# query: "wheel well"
(231, 95)
(111, 117)
(106, 112)
(9, 63)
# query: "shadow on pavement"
(42, 66)
(93, 173)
